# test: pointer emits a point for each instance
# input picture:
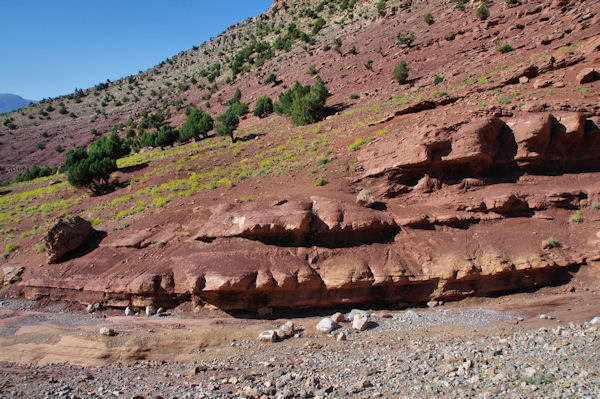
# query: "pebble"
(360, 322)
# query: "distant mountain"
(10, 102)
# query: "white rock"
(354, 312)
(128, 311)
(595, 320)
(149, 310)
(341, 336)
(159, 311)
(327, 325)
(338, 317)
(360, 322)
(543, 316)
(106, 331)
(433, 304)
(90, 308)
(268, 336)
(288, 328)
(529, 372)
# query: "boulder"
(532, 134)
(67, 234)
(286, 330)
(354, 312)
(327, 325)
(338, 317)
(360, 322)
(365, 198)
(587, 75)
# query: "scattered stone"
(544, 316)
(128, 311)
(90, 308)
(106, 331)
(338, 317)
(354, 312)
(327, 325)
(341, 336)
(360, 322)
(365, 198)
(286, 330)
(433, 304)
(595, 320)
(268, 336)
(149, 310)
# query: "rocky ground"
(502, 347)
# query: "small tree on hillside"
(263, 107)
(198, 124)
(226, 123)
(401, 72)
(166, 136)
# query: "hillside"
(11, 102)
(483, 165)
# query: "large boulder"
(67, 234)
(532, 134)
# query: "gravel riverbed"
(449, 353)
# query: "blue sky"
(50, 47)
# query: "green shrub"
(505, 48)
(319, 181)
(353, 96)
(263, 107)
(576, 217)
(312, 70)
(353, 50)
(34, 172)
(240, 108)
(460, 5)
(437, 80)
(304, 104)
(272, 78)
(406, 40)
(429, 19)
(401, 72)
(552, 242)
(482, 12)
(11, 248)
(381, 7)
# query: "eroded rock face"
(322, 222)
(283, 222)
(68, 234)
(532, 142)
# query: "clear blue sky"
(50, 47)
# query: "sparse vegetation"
(505, 48)
(319, 181)
(429, 18)
(401, 72)
(406, 40)
(576, 217)
(437, 80)
(353, 96)
(482, 12)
